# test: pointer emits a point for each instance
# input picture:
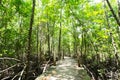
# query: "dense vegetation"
(34, 32)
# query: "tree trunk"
(54, 55)
(40, 50)
(60, 32)
(118, 28)
(59, 45)
(30, 40)
(112, 11)
(37, 47)
(115, 16)
(118, 9)
(63, 54)
(48, 37)
(76, 41)
(0, 1)
(111, 36)
(53, 47)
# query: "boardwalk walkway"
(65, 70)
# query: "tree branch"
(16, 76)
(9, 68)
(22, 72)
(92, 75)
(7, 58)
(46, 66)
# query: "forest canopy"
(33, 32)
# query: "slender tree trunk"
(64, 53)
(108, 25)
(0, 1)
(48, 38)
(59, 45)
(54, 55)
(60, 32)
(30, 40)
(40, 48)
(115, 16)
(82, 48)
(75, 41)
(118, 28)
(118, 9)
(85, 44)
(37, 47)
(5, 39)
(53, 47)
(111, 37)
(37, 33)
(112, 11)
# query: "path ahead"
(65, 70)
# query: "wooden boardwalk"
(65, 70)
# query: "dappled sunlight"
(66, 69)
(36, 36)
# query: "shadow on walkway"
(65, 70)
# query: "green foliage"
(83, 25)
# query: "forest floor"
(66, 69)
